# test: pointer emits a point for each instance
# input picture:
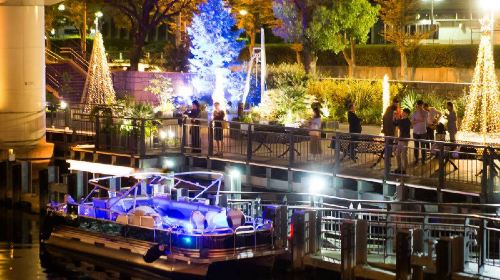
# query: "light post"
(98, 15)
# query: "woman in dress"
(315, 133)
(218, 117)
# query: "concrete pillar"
(22, 72)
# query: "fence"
(459, 166)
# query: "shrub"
(338, 94)
(286, 75)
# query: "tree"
(288, 26)
(146, 15)
(251, 15)
(295, 17)
(214, 46)
(396, 17)
(340, 26)
(99, 85)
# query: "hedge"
(459, 56)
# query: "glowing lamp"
(489, 5)
(99, 14)
(63, 105)
(243, 12)
(169, 163)
(235, 173)
(61, 7)
(316, 184)
(187, 240)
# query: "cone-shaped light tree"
(482, 114)
(99, 85)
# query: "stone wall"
(133, 84)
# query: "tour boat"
(165, 221)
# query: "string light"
(99, 85)
(482, 113)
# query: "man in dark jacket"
(354, 128)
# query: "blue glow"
(214, 49)
(187, 240)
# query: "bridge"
(451, 168)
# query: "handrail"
(76, 57)
(56, 57)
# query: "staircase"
(65, 76)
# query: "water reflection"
(22, 258)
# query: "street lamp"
(98, 15)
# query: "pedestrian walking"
(419, 122)
(315, 133)
(452, 121)
(354, 129)
(404, 125)
(218, 118)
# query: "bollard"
(443, 258)
(298, 239)
(418, 248)
(361, 242)
(347, 250)
(3, 181)
(43, 184)
(403, 255)
(457, 254)
(278, 214)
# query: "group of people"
(425, 121)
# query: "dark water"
(22, 258)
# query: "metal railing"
(76, 57)
(468, 167)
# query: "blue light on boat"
(187, 240)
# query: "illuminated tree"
(99, 85)
(143, 16)
(396, 17)
(295, 18)
(289, 26)
(341, 25)
(482, 114)
(251, 15)
(214, 46)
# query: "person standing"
(218, 118)
(404, 125)
(354, 129)
(452, 121)
(315, 133)
(419, 121)
(433, 116)
(194, 114)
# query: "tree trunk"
(136, 53)
(310, 59)
(353, 58)
(404, 64)
(251, 34)
(83, 32)
(297, 48)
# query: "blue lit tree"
(214, 48)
